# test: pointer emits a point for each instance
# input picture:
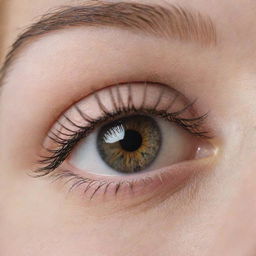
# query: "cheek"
(238, 221)
(36, 217)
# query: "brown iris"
(129, 144)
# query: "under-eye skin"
(126, 139)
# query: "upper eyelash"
(57, 156)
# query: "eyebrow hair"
(171, 22)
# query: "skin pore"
(210, 213)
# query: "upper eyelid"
(187, 100)
(174, 22)
(93, 91)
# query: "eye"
(120, 138)
(133, 144)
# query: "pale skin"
(214, 214)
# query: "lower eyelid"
(138, 187)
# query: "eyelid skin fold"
(109, 104)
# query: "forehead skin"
(236, 25)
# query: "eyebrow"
(172, 21)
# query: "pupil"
(131, 141)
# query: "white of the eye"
(86, 157)
(114, 134)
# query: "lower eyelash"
(73, 136)
(76, 181)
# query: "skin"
(213, 215)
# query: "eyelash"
(65, 146)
